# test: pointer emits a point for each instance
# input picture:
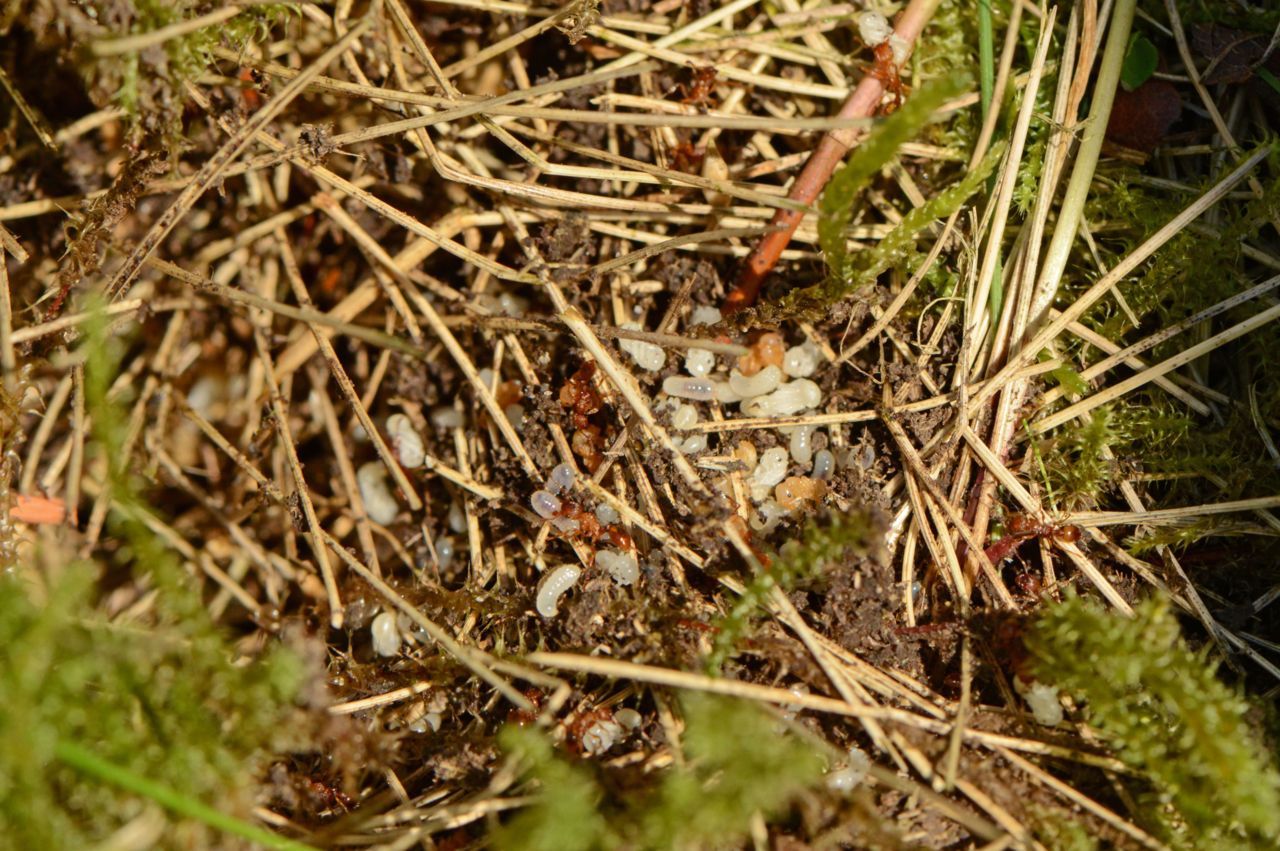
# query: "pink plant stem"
(821, 165)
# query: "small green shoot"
(986, 56)
(1140, 62)
(837, 206)
(896, 247)
(1267, 77)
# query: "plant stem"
(986, 56)
(86, 762)
(1095, 130)
(820, 166)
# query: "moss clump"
(1200, 459)
(148, 82)
(165, 702)
(185, 57)
(162, 699)
(739, 764)
(1169, 717)
(566, 816)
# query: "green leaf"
(1268, 78)
(1070, 380)
(1139, 63)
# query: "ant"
(687, 158)
(1020, 528)
(885, 70)
(701, 87)
(580, 396)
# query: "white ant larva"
(628, 718)
(771, 470)
(873, 28)
(386, 634)
(790, 398)
(379, 503)
(1042, 699)
(621, 565)
(800, 361)
(600, 735)
(852, 774)
(553, 587)
(699, 362)
(560, 480)
(686, 387)
(765, 381)
(823, 464)
(406, 443)
(646, 355)
(801, 443)
(545, 503)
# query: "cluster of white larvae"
(622, 565)
(406, 444)
(378, 495)
(772, 381)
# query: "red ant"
(528, 717)
(687, 158)
(1020, 528)
(330, 797)
(701, 87)
(886, 71)
(252, 85)
(580, 396)
(585, 526)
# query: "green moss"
(837, 206)
(1261, 18)
(950, 47)
(848, 276)
(1200, 459)
(1169, 717)
(1055, 830)
(566, 816)
(163, 699)
(738, 764)
(148, 84)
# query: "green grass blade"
(108, 772)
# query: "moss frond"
(1169, 717)
(739, 764)
(163, 700)
(566, 816)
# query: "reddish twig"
(821, 165)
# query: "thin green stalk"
(1095, 128)
(986, 56)
(108, 772)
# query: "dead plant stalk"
(821, 165)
